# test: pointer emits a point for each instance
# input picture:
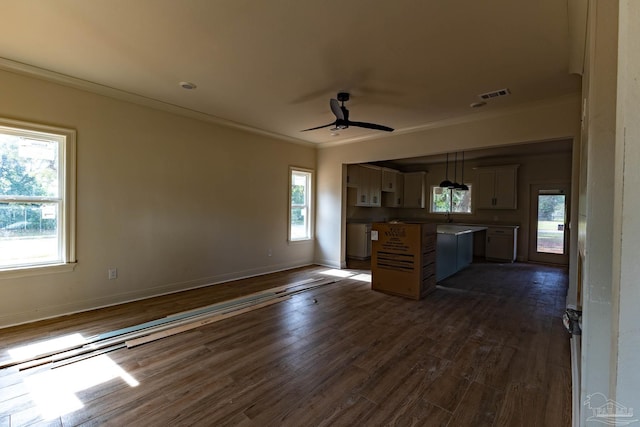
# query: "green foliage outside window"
(25, 176)
(447, 200)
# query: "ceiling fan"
(342, 117)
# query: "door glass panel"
(551, 223)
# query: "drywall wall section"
(558, 119)
(598, 344)
(626, 292)
(172, 202)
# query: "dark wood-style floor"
(487, 348)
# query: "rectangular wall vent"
(494, 94)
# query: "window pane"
(445, 200)
(461, 201)
(299, 229)
(29, 167)
(29, 234)
(300, 221)
(441, 199)
(551, 219)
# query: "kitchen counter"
(454, 248)
(456, 229)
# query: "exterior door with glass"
(549, 229)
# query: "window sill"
(37, 271)
(294, 242)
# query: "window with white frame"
(300, 196)
(450, 200)
(37, 195)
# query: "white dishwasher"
(358, 240)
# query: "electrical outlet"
(113, 273)
(269, 253)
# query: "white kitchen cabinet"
(497, 187)
(389, 180)
(359, 241)
(353, 173)
(414, 190)
(395, 199)
(367, 181)
(501, 243)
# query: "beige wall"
(172, 202)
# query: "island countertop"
(456, 230)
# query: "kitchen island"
(454, 248)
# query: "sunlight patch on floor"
(54, 391)
(362, 277)
(47, 346)
(336, 273)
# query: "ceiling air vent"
(494, 94)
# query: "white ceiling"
(273, 65)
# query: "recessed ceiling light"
(187, 85)
(477, 104)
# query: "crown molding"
(99, 89)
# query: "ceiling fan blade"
(371, 126)
(335, 107)
(318, 127)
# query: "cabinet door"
(505, 189)
(501, 244)
(389, 180)
(497, 188)
(414, 190)
(375, 184)
(362, 187)
(484, 191)
(353, 172)
(394, 200)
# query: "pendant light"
(463, 186)
(446, 183)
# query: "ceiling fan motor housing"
(343, 96)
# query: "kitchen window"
(37, 196)
(450, 200)
(300, 197)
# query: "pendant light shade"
(446, 183)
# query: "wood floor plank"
(447, 390)
(479, 407)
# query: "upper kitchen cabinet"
(367, 182)
(390, 180)
(414, 190)
(394, 199)
(497, 187)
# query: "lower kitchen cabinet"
(359, 241)
(501, 243)
(454, 252)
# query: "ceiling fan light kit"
(342, 117)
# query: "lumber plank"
(214, 318)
